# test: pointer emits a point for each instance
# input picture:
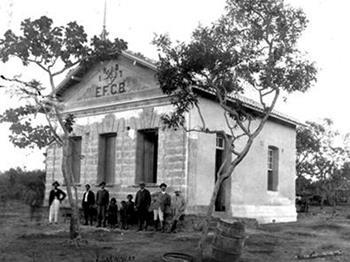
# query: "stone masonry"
(171, 154)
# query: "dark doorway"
(76, 157)
(146, 156)
(106, 160)
(220, 154)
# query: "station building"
(119, 138)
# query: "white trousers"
(158, 213)
(54, 208)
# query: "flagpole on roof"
(104, 31)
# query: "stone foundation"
(266, 213)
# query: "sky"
(326, 41)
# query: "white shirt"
(86, 196)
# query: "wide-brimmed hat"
(142, 184)
(103, 183)
(55, 183)
(177, 190)
(163, 184)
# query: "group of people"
(164, 209)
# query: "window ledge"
(150, 185)
(272, 193)
(78, 185)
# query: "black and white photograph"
(174, 131)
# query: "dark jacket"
(130, 207)
(90, 199)
(113, 214)
(102, 197)
(164, 202)
(143, 199)
(58, 193)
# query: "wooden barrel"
(228, 241)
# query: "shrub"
(27, 186)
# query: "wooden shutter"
(139, 157)
(101, 159)
(76, 158)
(110, 158)
(146, 156)
(275, 169)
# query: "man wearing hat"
(87, 204)
(164, 205)
(142, 203)
(55, 198)
(102, 200)
(178, 206)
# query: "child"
(130, 210)
(113, 213)
(123, 215)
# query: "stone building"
(119, 138)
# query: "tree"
(251, 47)
(319, 157)
(55, 50)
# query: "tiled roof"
(250, 103)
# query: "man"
(102, 200)
(178, 206)
(154, 207)
(55, 198)
(142, 202)
(164, 205)
(88, 203)
(33, 198)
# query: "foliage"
(253, 45)
(16, 183)
(24, 134)
(45, 44)
(55, 49)
(317, 153)
(302, 185)
(320, 158)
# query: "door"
(222, 151)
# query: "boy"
(113, 213)
(130, 210)
(123, 215)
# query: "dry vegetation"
(24, 240)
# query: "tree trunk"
(210, 210)
(74, 230)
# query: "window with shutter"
(272, 168)
(106, 159)
(146, 156)
(75, 159)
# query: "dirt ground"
(24, 240)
